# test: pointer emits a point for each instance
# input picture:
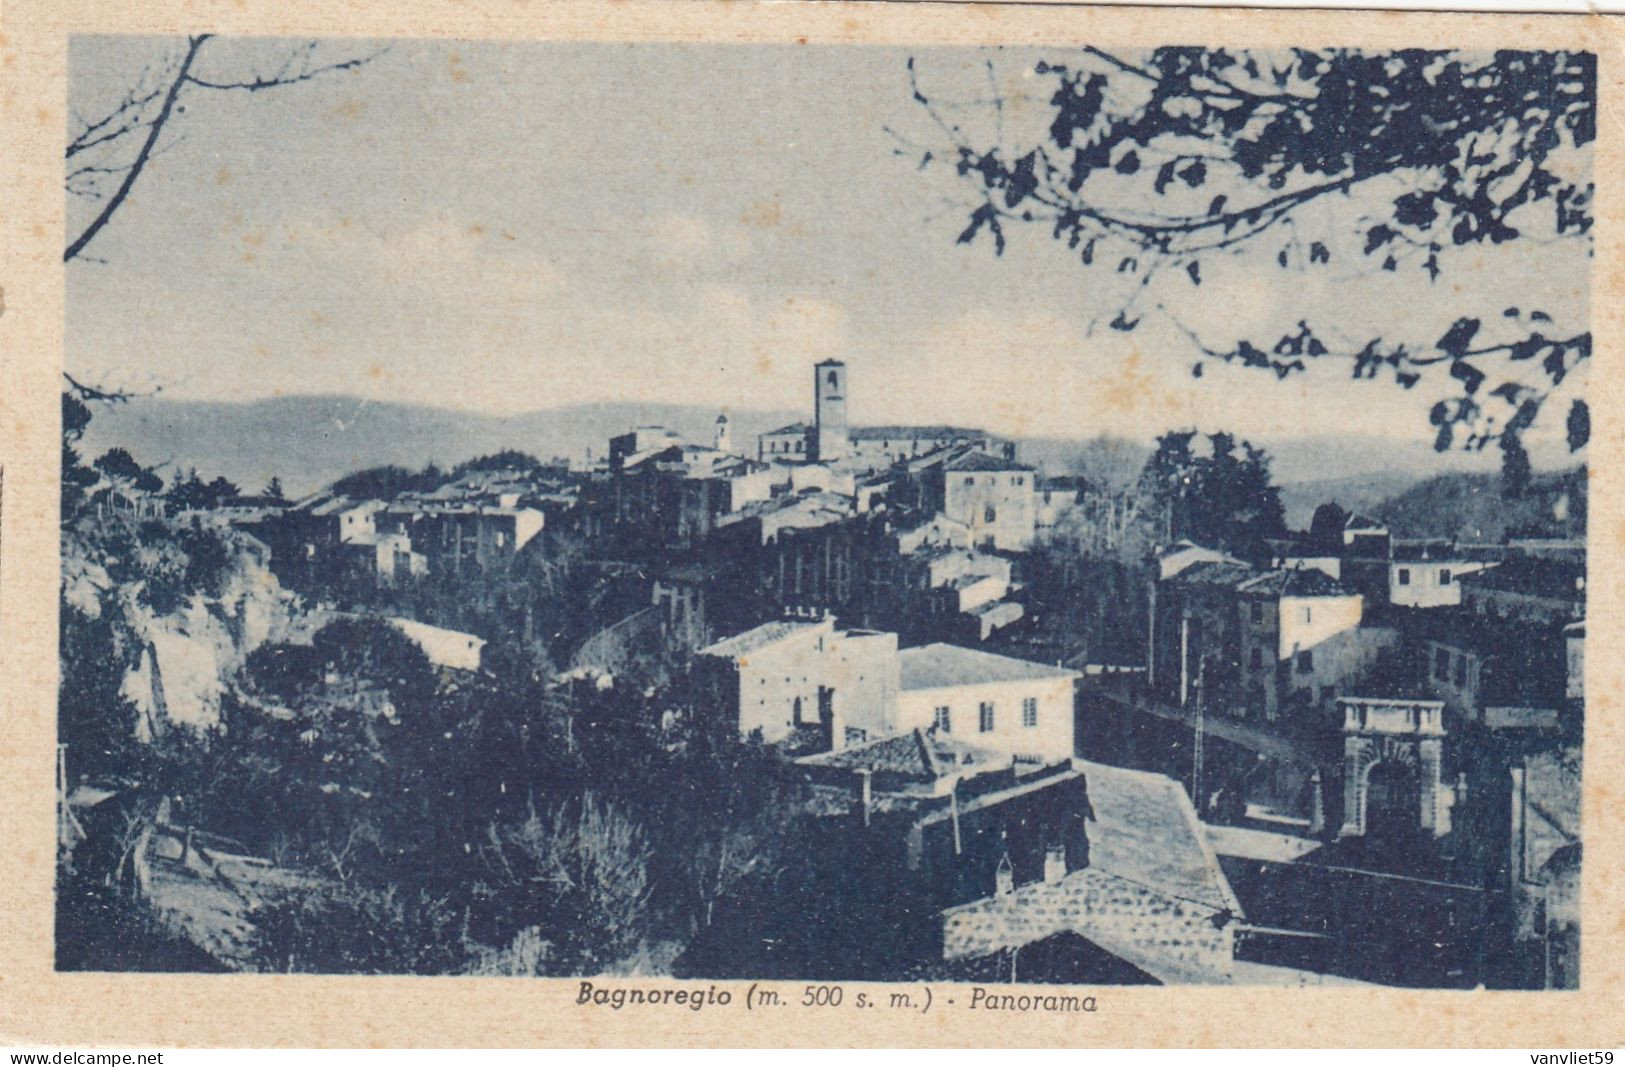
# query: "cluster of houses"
(1391, 693)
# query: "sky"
(505, 227)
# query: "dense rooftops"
(1295, 581)
(917, 433)
(1531, 576)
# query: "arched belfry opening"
(831, 441)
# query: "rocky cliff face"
(182, 660)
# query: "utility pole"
(1197, 796)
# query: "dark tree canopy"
(1156, 164)
(1214, 490)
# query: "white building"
(1427, 574)
(792, 674)
(987, 701)
(451, 649)
(854, 686)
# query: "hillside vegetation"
(1472, 507)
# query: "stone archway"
(1393, 799)
(1391, 756)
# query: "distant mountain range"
(309, 441)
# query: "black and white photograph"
(1074, 516)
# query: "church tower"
(723, 439)
(830, 442)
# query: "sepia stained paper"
(783, 524)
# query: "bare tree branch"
(140, 162)
(129, 117)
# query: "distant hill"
(309, 441)
(1469, 506)
(1358, 492)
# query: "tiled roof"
(1534, 577)
(793, 428)
(917, 755)
(940, 666)
(1445, 552)
(1145, 830)
(918, 433)
(1216, 572)
(1297, 581)
(981, 461)
(769, 633)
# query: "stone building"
(1393, 751)
(849, 686)
(793, 675)
(1258, 643)
(1147, 888)
(675, 496)
(1427, 574)
(1537, 590)
(831, 439)
(462, 538)
(989, 702)
(993, 497)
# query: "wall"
(1307, 621)
(864, 676)
(1426, 588)
(1506, 604)
(1175, 940)
(1051, 739)
(772, 679)
(792, 447)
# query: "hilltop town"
(842, 701)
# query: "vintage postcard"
(791, 524)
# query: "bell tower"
(830, 441)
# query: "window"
(943, 720)
(1029, 712)
(1461, 670)
(1306, 662)
(1257, 610)
(1441, 664)
(831, 379)
(1403, 576)
(989, 514)
(1308, 614)
(1257, 659)
(984, 717)
(1444, 576)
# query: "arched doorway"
(1393, 800)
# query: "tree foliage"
(1214, 490)
(1154, 166)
